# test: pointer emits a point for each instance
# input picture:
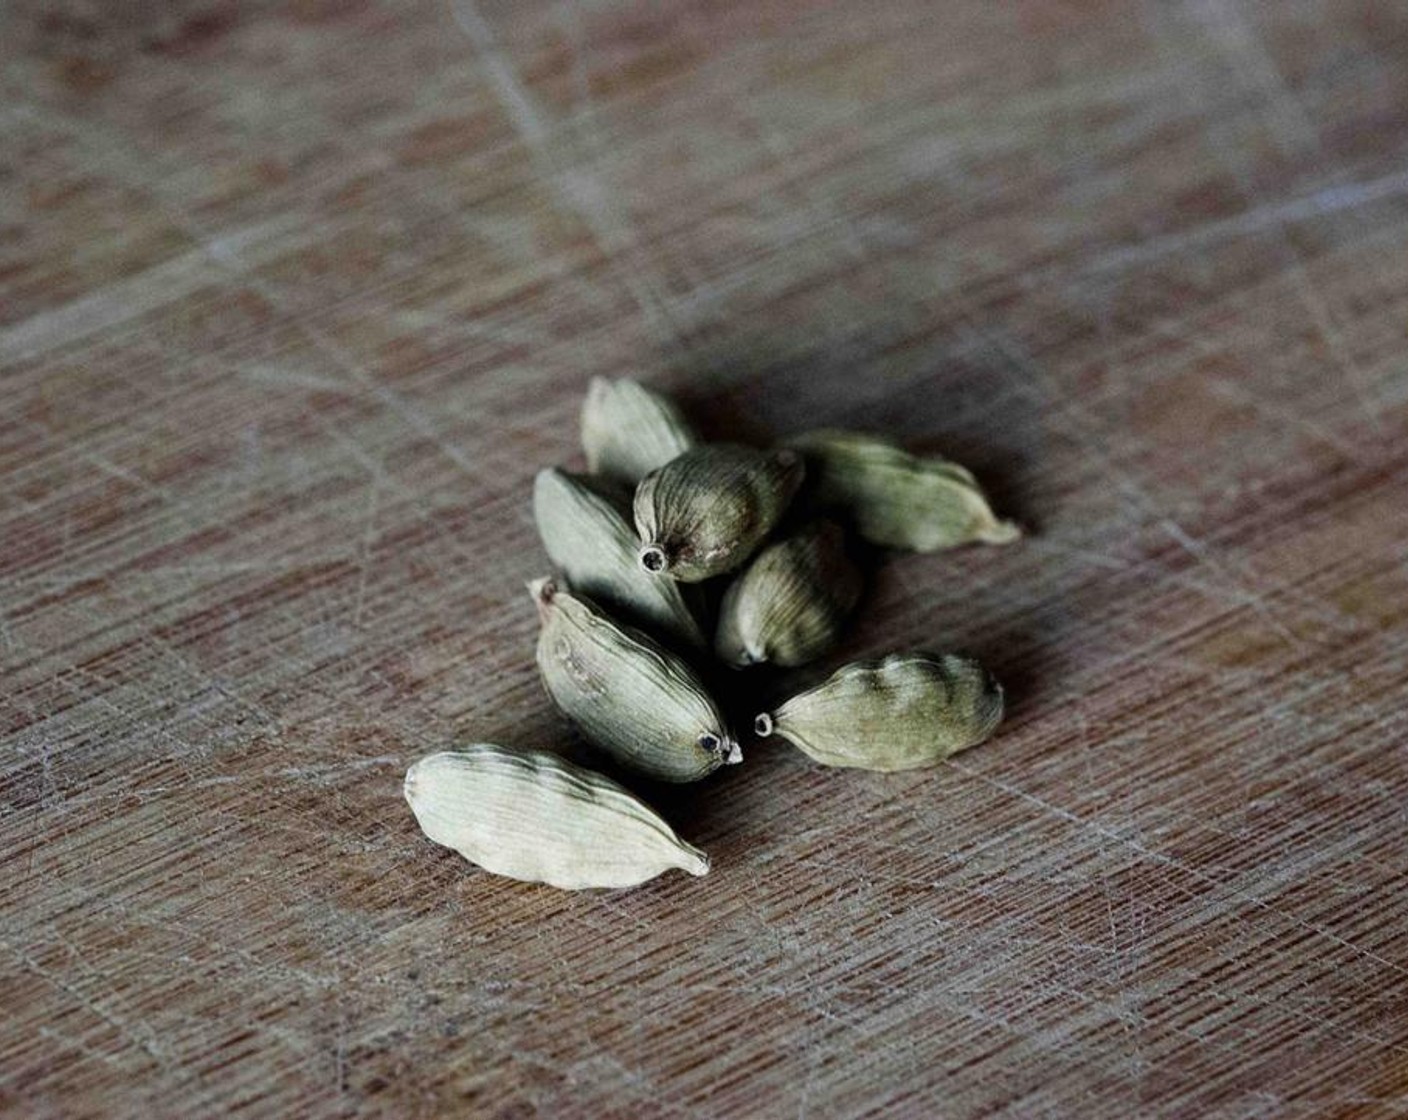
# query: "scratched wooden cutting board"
(295, 299)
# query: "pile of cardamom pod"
(638, 542)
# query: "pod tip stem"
(1001, 532)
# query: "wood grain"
(295, 299)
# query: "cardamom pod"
(898, 713)
(536, 817)
(896, 499)
(790, 603)
(705, 512)
(629, 695)
(629, 430)
(586, 532)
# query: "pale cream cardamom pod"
(705, 512)
(791, 602)
(896, 499)
(533, 816)
(898, 713)
(629, 696)
(629, 430)
(586, 531)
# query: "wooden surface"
(294, 300)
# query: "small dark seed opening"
(709, 742)
(652, 558)
(763, 725)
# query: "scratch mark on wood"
(364, 552)
(574, 184)
(1161, 858)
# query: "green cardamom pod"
(629, 695)
(899, 713)
(536, 817)
(629, 430)
(586, 531)
(896, 499)
(791, 602)
(705, 512)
